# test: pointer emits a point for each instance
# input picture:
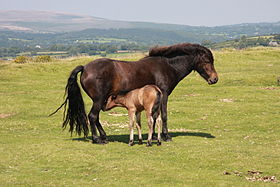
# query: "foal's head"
(204, 65)
(110, 103)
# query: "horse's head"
(204, 65)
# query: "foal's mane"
(179, 50)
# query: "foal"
(147, 98)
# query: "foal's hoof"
(131, 143)
(140, 142)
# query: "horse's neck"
(183, 65)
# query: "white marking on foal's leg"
(131, 126)
(150, 123)
(159, 124)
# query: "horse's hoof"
(158, 143)
(105, 141)
(99, 141)
(140, 142)
(166, 137)
(104, 138)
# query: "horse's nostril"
(213, 80)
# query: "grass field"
(220, 132)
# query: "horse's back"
(98, 64)
(111, 77)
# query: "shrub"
(43, 58)
(22, 59)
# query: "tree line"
(72, 50)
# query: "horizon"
(199, 13)
(80, 14)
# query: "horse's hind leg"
(165, 135)
(154, 136)
(94, 122)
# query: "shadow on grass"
(123, 138)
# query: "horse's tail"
(75, 114)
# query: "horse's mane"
(179, 50)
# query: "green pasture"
(220, 132)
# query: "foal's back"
(151, 98)
(145, 98)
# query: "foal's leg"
(131, 126)
(165, 135)
(150, 124)
(157, 120)
(154, 136)
(94, 122)
(159, 123)
(138, 125)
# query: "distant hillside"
(245, 42)
(34, 32)
(41, 21)
(54, 22)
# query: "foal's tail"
(75, 115)
(157, 104)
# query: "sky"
(185, 12)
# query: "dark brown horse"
(164, 67)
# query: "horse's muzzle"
(213, 80)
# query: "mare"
(164, 67)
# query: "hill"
(54, 22)
(39, 31)
(246, 42)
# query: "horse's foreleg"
(94, 122)
(154, 136)
(165, 135)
